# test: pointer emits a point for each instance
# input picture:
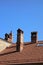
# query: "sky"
(24, 14)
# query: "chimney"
(34, 37)
(8, 37)
(19, 44)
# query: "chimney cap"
(6, 34)
(10, 33)
(35, 32)
(19, 30)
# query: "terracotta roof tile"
(31, 53)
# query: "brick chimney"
(19, 44)
(34, 37)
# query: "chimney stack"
(34, 37)
(8, 37)
(19, 45)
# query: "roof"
(31, 54)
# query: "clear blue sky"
(24, 14)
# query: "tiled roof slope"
(31, 54)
